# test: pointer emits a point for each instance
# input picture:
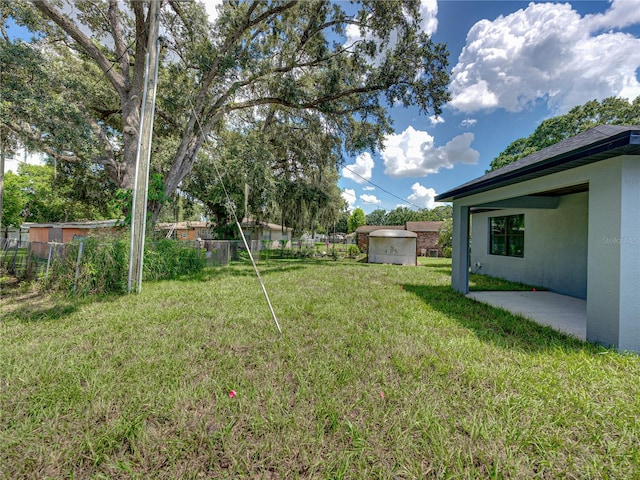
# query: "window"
(507, 236)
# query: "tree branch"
(116, 79)
(120, 46)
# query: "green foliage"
(14, 200)
(445, 238)
(167, 259)
(104, 264)
(102, 269)
(41, 193)
(401, 215)
(612, 111)
(377, 217)
(275, 68)
(356, 219)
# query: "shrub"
(103, 267)
(353, 251)
(167, 259)
(104, 264)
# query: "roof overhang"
(545, 162)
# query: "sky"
(513, 64)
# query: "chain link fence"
(37, 261)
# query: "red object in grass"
(381, 394)
(232, 393)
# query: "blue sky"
(514, 64)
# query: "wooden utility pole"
(141, 186)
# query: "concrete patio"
(561, 312)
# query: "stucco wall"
(613, 244)
(555, 247)
(614, 254)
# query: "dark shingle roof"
(371, 228)
(594, 145)
(424, 226)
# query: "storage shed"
(392, 246)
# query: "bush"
(169, 259)
(104, 264)
(103, 267)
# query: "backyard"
(381, 372)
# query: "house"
(427, 234)
(565, 218)
(186, 231)
(65, 232)
(265, 232)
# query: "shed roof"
(594, 145)
(183, 225)
(80, 224)
(387, 233)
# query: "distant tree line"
(402, 215)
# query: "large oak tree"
(284, 58)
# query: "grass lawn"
(381, 372)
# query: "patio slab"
(561, 312)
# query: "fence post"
(46, 275)
(80, 250)
(15, 261)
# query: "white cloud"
(547, 51)
(435, 119)
(212, 8)
(368, 189)
(621, 14)
(429, 13)
(360, 171)
(413, 153)
(468, 122)
(423, 196)
(349, 196)
(370, 199)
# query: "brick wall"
(428, 241)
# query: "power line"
(385, 191)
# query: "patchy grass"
(382, 372)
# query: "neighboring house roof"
(594, 145)
(83, 224)
(182, 225)
(371, 228)
(387, 233)
(424, 226)
(271, 226)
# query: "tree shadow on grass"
(495, 325)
